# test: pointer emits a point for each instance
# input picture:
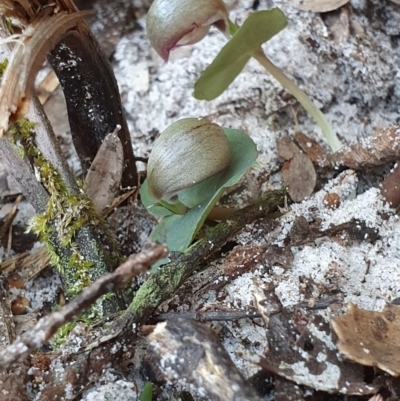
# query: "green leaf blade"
(258, 28)
(147, 392)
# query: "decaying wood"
(23, 176)
(102, 351)
(27, 58)
(381, 147)
(89, 244)
(90, 84)
(46, 327)
(7, 329)
(192, 351)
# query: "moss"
(66, 214)
(63, 226)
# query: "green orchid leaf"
(178, 231)
(147, 392)
(258, 28)
(149, 203)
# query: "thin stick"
(47, 327)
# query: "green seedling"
(175, 23)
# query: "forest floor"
(305, 304)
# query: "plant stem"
(302, 98)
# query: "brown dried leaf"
(319, 6)
(105, 173)
(279, 256)
(300, 230)
(15, 281)
(300, 177)
(390, 189)
(286, 148)
(370, 338)
(314, 151)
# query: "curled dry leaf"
(27, 58)
(319, 6)
(370, 338)
(19, 305)
(105, 173)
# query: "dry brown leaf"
(319, 6)
(300, 177)
(390, 188)
(300, 349)
(298, 174)
(241, 260)
(105, 173)
(370, 338)
(286, 148)
(15, 281)
(314, 151)
(381, 147)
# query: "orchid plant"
(175, 23)
(191, 165)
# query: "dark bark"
(92, 96)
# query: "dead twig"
(380, 148)
(208, 316)
(27, 58)
(46, 327)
